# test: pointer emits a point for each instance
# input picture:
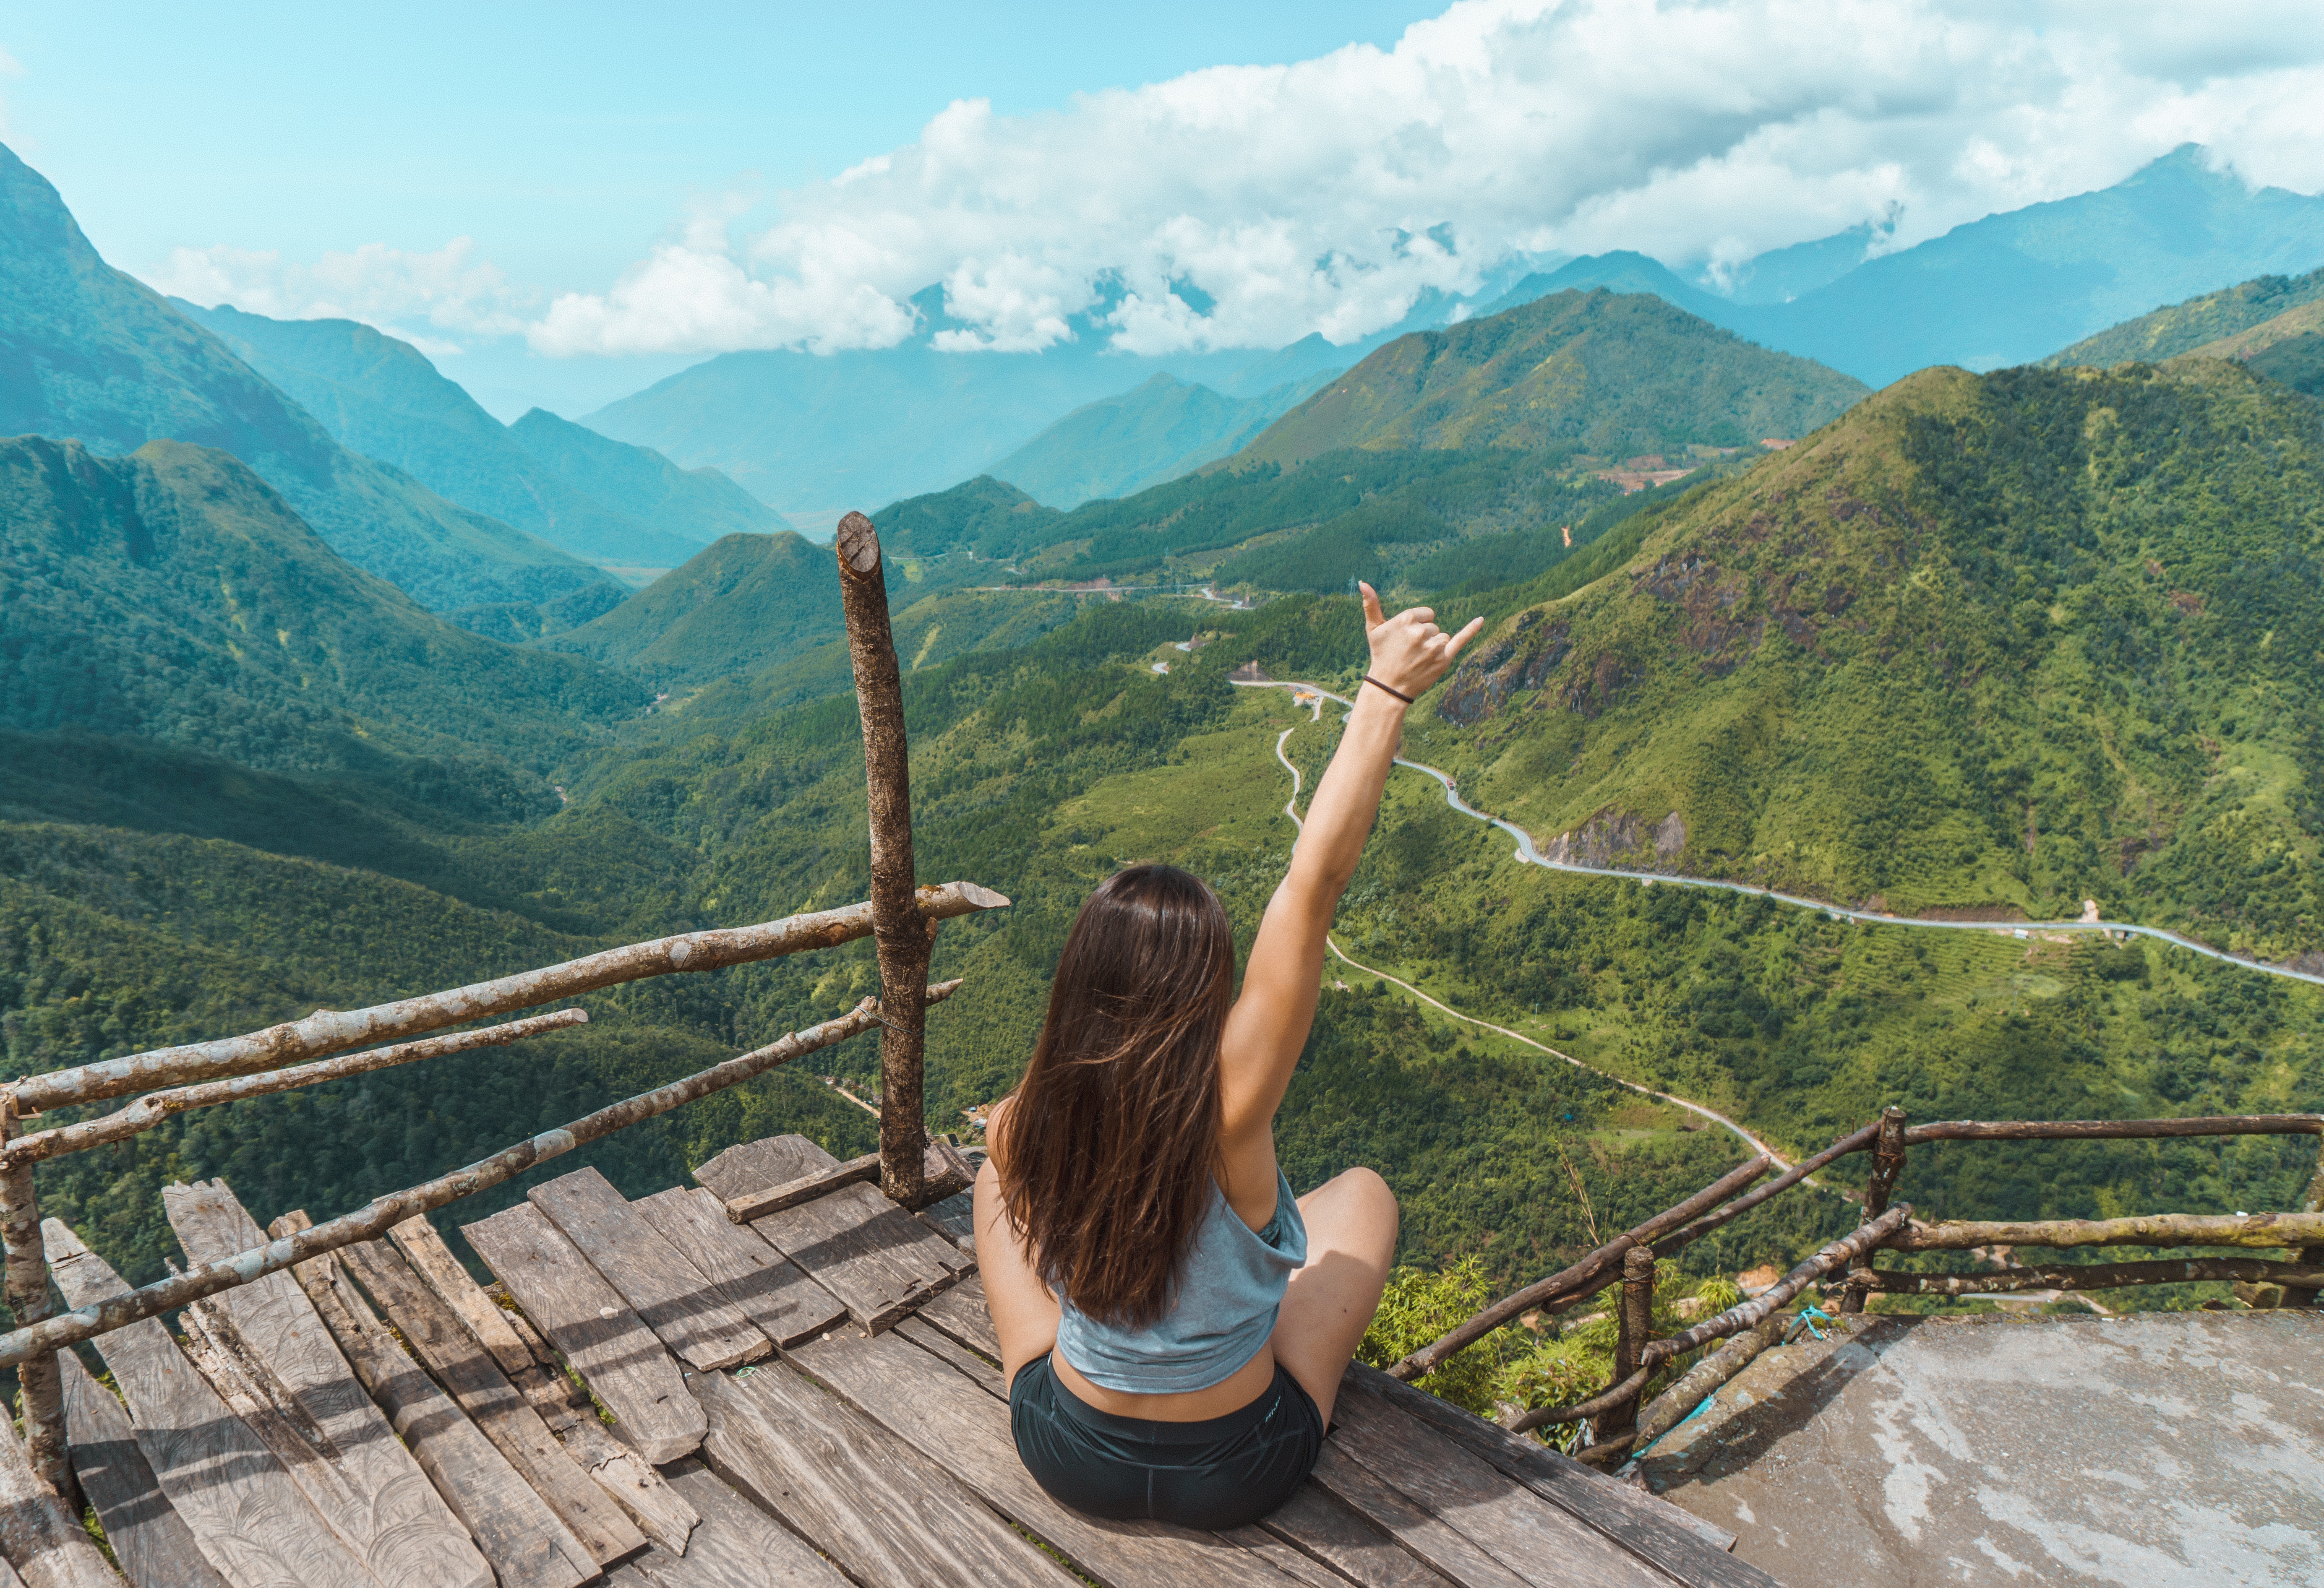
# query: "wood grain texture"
(1645, 1524)
(45, 1543)
(358, 1475)
(1545, 1545)
(754, 1166)
(1300, 1568)
(527, 1543)
(956, 1355)
(150, 1540)
(534, 1369)
(737, 1545)
(963, 1313)
(872, 1254)
(1440, 1546)
(606, 1343)
(767, 1288)
(857, 1493)
(675, 1300)
(500, 1413)
(253, 1524)
(1327, 1528)
(966, 1431)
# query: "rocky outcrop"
(1618, 838)
(1520, 661)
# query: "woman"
(1173, 1323)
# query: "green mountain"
(88, 353)
(696, 504)
(1119, 445)
(381, 398)
(1597, 373)
(2001, 642)
(2197, 324)
(172, 596)
(740, 604)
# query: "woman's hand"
(1409, 652)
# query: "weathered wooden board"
(963, 1313)
(1543, 1543)
(754, 1166)
(864, 1250)
(966, 1431)
(1645, 1524)
(365, 1482)
(253, 1524)
(8, 1577)
(771, 1289)
(679, 1302)
(527, 1543)
(606, 1343)
(502, 1414)
(737, 1545)
(150, 1540)
(1328, 1529)
(1435, 1541)
(960, 1358)
(44, 1540)
(1274, 1552)
(534, 1369)
(855, 1490)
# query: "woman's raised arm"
(1271, 1020)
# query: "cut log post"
(328, 1031)
(900, 933)
(1634, 1327)
(376, 1217)
(1887, 1164)
(49, 1449)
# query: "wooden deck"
(814, 1400)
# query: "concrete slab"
(2152, 1449)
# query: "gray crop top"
(1224, 1308)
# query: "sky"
(563, 203)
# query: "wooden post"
(1635, 1321)
(27, 1291)
(898, 930)
(1887, 1164)
(2313, 1256)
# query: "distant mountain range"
(381, 398)
(89, 353)
(1119, 445)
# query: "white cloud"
(394, 289)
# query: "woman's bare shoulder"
(994, 1118)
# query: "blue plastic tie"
(1809, 1314)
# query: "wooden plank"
(607, 1344)
(966, 1431)
(1328, 1529)
(1274, 1552)
(150, 1540)
(1645, 1524)
(534, 1369)
(864, 1250)
(737, 1545)
(855, 1492)
(676, 1299)
(771, 1289)
(500, 1413)
(960, 1358)
(527, 1543)
(1440, 1546)
(963, 1313)
(944, 1173)
(8, 1577)
(1541, 1543)
(750, 1165)
(363, 1481)
(44, 1540)
(253, 1524)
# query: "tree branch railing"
(1894, 1229)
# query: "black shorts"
(1222, 1472)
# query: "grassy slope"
(2017, 640)
(2186, 328)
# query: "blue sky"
(563, 203)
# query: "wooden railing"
(901, 918)
(1620, 1425)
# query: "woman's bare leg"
(1351, 1241)
(1024, 1312)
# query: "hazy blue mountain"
(383, 399)
(90, 354)
(1622, 272)
(1781, 274)
(696, 502)
(1123, 443)
(2185, 327)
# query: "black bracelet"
(1398, 693)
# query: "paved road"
(1526, 852)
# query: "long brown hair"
(1111, 1147)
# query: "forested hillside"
(89, 353)
(1119, 444)
(2199, 323)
